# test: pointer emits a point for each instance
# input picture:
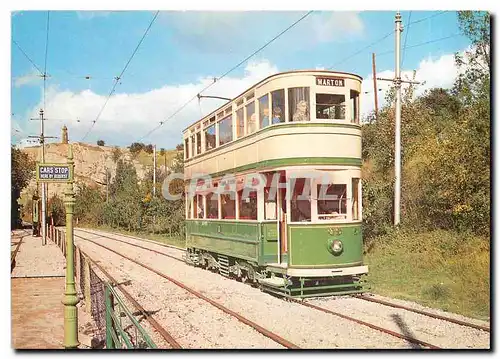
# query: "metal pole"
(70, 298)
(44, 195)
(397, 154)
(154, 171)
(375, 92)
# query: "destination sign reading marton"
(330, 81)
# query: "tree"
(149, 148)
(180, 147)
(22, 170)
(100, 143)
(116, 154)
(56, 210)
(162, 152)
(136, 147)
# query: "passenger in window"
(252, 123)
(301, 113)
(265, 118)
(277, 115)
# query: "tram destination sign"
(54, 172)
(330, 81)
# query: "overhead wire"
(27, 57)
(119, 77)
(225, 74)
(421, 44)
(406, 38)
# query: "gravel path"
(438, 332)
(305, 327)
(190, 320)
(33, 259)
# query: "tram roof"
(267, 78)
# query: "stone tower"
(64, 138)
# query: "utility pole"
(107, 183)
(44, 194)
(154, 171)
(397, 153)
(375, 92)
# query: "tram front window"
(301, 199)
(330, 106)
(298, 102)
(332, 201)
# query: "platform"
(37, 288)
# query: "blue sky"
(183, 50)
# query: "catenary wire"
(118, 78)
(225, 74)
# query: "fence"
(116, 325)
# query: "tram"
(273, 186)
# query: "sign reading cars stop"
(54, 172)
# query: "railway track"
(366, 296)
(157, 326)
(273, 336)
(325, 310)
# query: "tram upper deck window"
(264, 111)
(226, 130)
(298, 103)
(278, 106)
(332, 201)
(186, 148)
(198, 143)
(193, 145)
(251, 118)
(301, 199)
(330, 106)
(240, 123)
(210, 137)
(354, 106)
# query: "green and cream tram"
(300, 132)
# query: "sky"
(182, 53)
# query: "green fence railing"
(123, 331)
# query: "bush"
(100, 143)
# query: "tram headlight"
(337, 246)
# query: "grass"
(439, 269)
(146, 159)
(161, 238)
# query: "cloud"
(127, 117)
(439, 72)
(28, 79)
(242, 31)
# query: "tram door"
(282, 220)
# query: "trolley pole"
(70, 298)
(397, 141)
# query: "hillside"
(91, 162)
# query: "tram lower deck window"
(332, 201)
(212, 206)
(330, 106)
(301, 199)
(247, 201)
(228, 205)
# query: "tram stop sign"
(54, 172)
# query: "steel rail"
(383, 330)
(134, 245)
(432, 315)
(133, 237)
(162, 331)
(387, 331)
(226, 310)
